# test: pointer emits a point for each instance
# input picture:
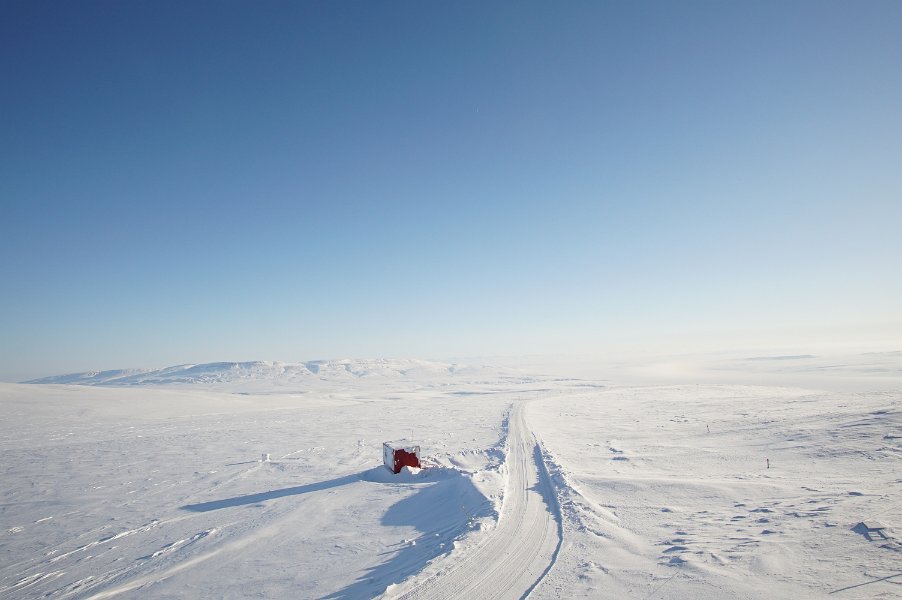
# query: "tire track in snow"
(515, 556)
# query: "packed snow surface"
(156, 483)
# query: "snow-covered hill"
(838, 371)
(263, 371)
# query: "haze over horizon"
(193, 182)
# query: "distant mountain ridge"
(231, 372)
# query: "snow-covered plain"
(152, 483)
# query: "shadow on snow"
(444, 506)
(545, 488)
(263, 496)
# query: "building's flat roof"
(402, 445)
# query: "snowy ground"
(151, 484)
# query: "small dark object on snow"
(871, 530)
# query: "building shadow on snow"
(263, 496)
(444, 507)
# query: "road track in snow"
(513, 557)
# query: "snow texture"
(150, 483)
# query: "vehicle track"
(514, 557)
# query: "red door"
(405, 459)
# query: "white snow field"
(155, 483)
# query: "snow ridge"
(272, 371)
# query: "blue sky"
(198, 181)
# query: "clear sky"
(200, 181)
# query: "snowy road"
(158, 492)
(515, 556)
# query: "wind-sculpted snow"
(269, 489)
(111, 490)
(725, 491)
